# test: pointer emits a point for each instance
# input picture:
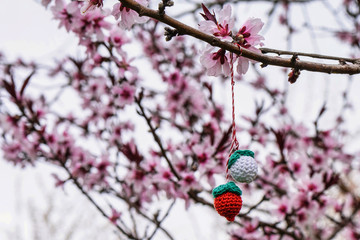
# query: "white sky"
(27, 30)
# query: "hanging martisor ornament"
(228, 200)
(242, 167)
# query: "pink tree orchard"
(143, 121)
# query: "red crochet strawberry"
(227, 200)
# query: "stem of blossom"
(184, 29)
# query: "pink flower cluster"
(127, 16)
(220, 24)
(89, 21)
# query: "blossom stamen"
(220, 54)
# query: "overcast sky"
(27, 30)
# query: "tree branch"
(312, 55)
(80, 187)
(158, 222)
(156, 138)
(137, 209)
(184, 29)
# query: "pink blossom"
(12, 152)
(203, 152)
(298, 166)
(67, 14)
(259, 83)
(221, 26)
(165, 181)
(243, 65)
(90, 5)
(179, 163)
(282, 207)
(189, 182)
(217, 113)
(351, 234)
(210, 171)
(248, 35)
(184, 99)
(117, 130)
(59, 182)
(313, 184)
(175, 78)
(302, 217)
(118, 38)
(124, 65)
(248, 231)
(303, 201)
(138, 178)
(248, 38)
(115, 215)
(215, 62)
(94, 62)
(92, 23)
(318, 161)
(82, 168)
(103, 164)
(345, 36)
(127, 16)
(124, 94)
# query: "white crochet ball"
(244, 169)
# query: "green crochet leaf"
(228, 187)
(237, 154)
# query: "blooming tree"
(138, 118)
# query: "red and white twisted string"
(234, 142)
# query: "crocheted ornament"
(227, 200)
(242, 166)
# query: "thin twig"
(312, 55)
(264, 198)
(156, 138)
(158, 223)
(132, 205)
(78, 185)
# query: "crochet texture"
(228, 205)
(242, 166)
(227, 201)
